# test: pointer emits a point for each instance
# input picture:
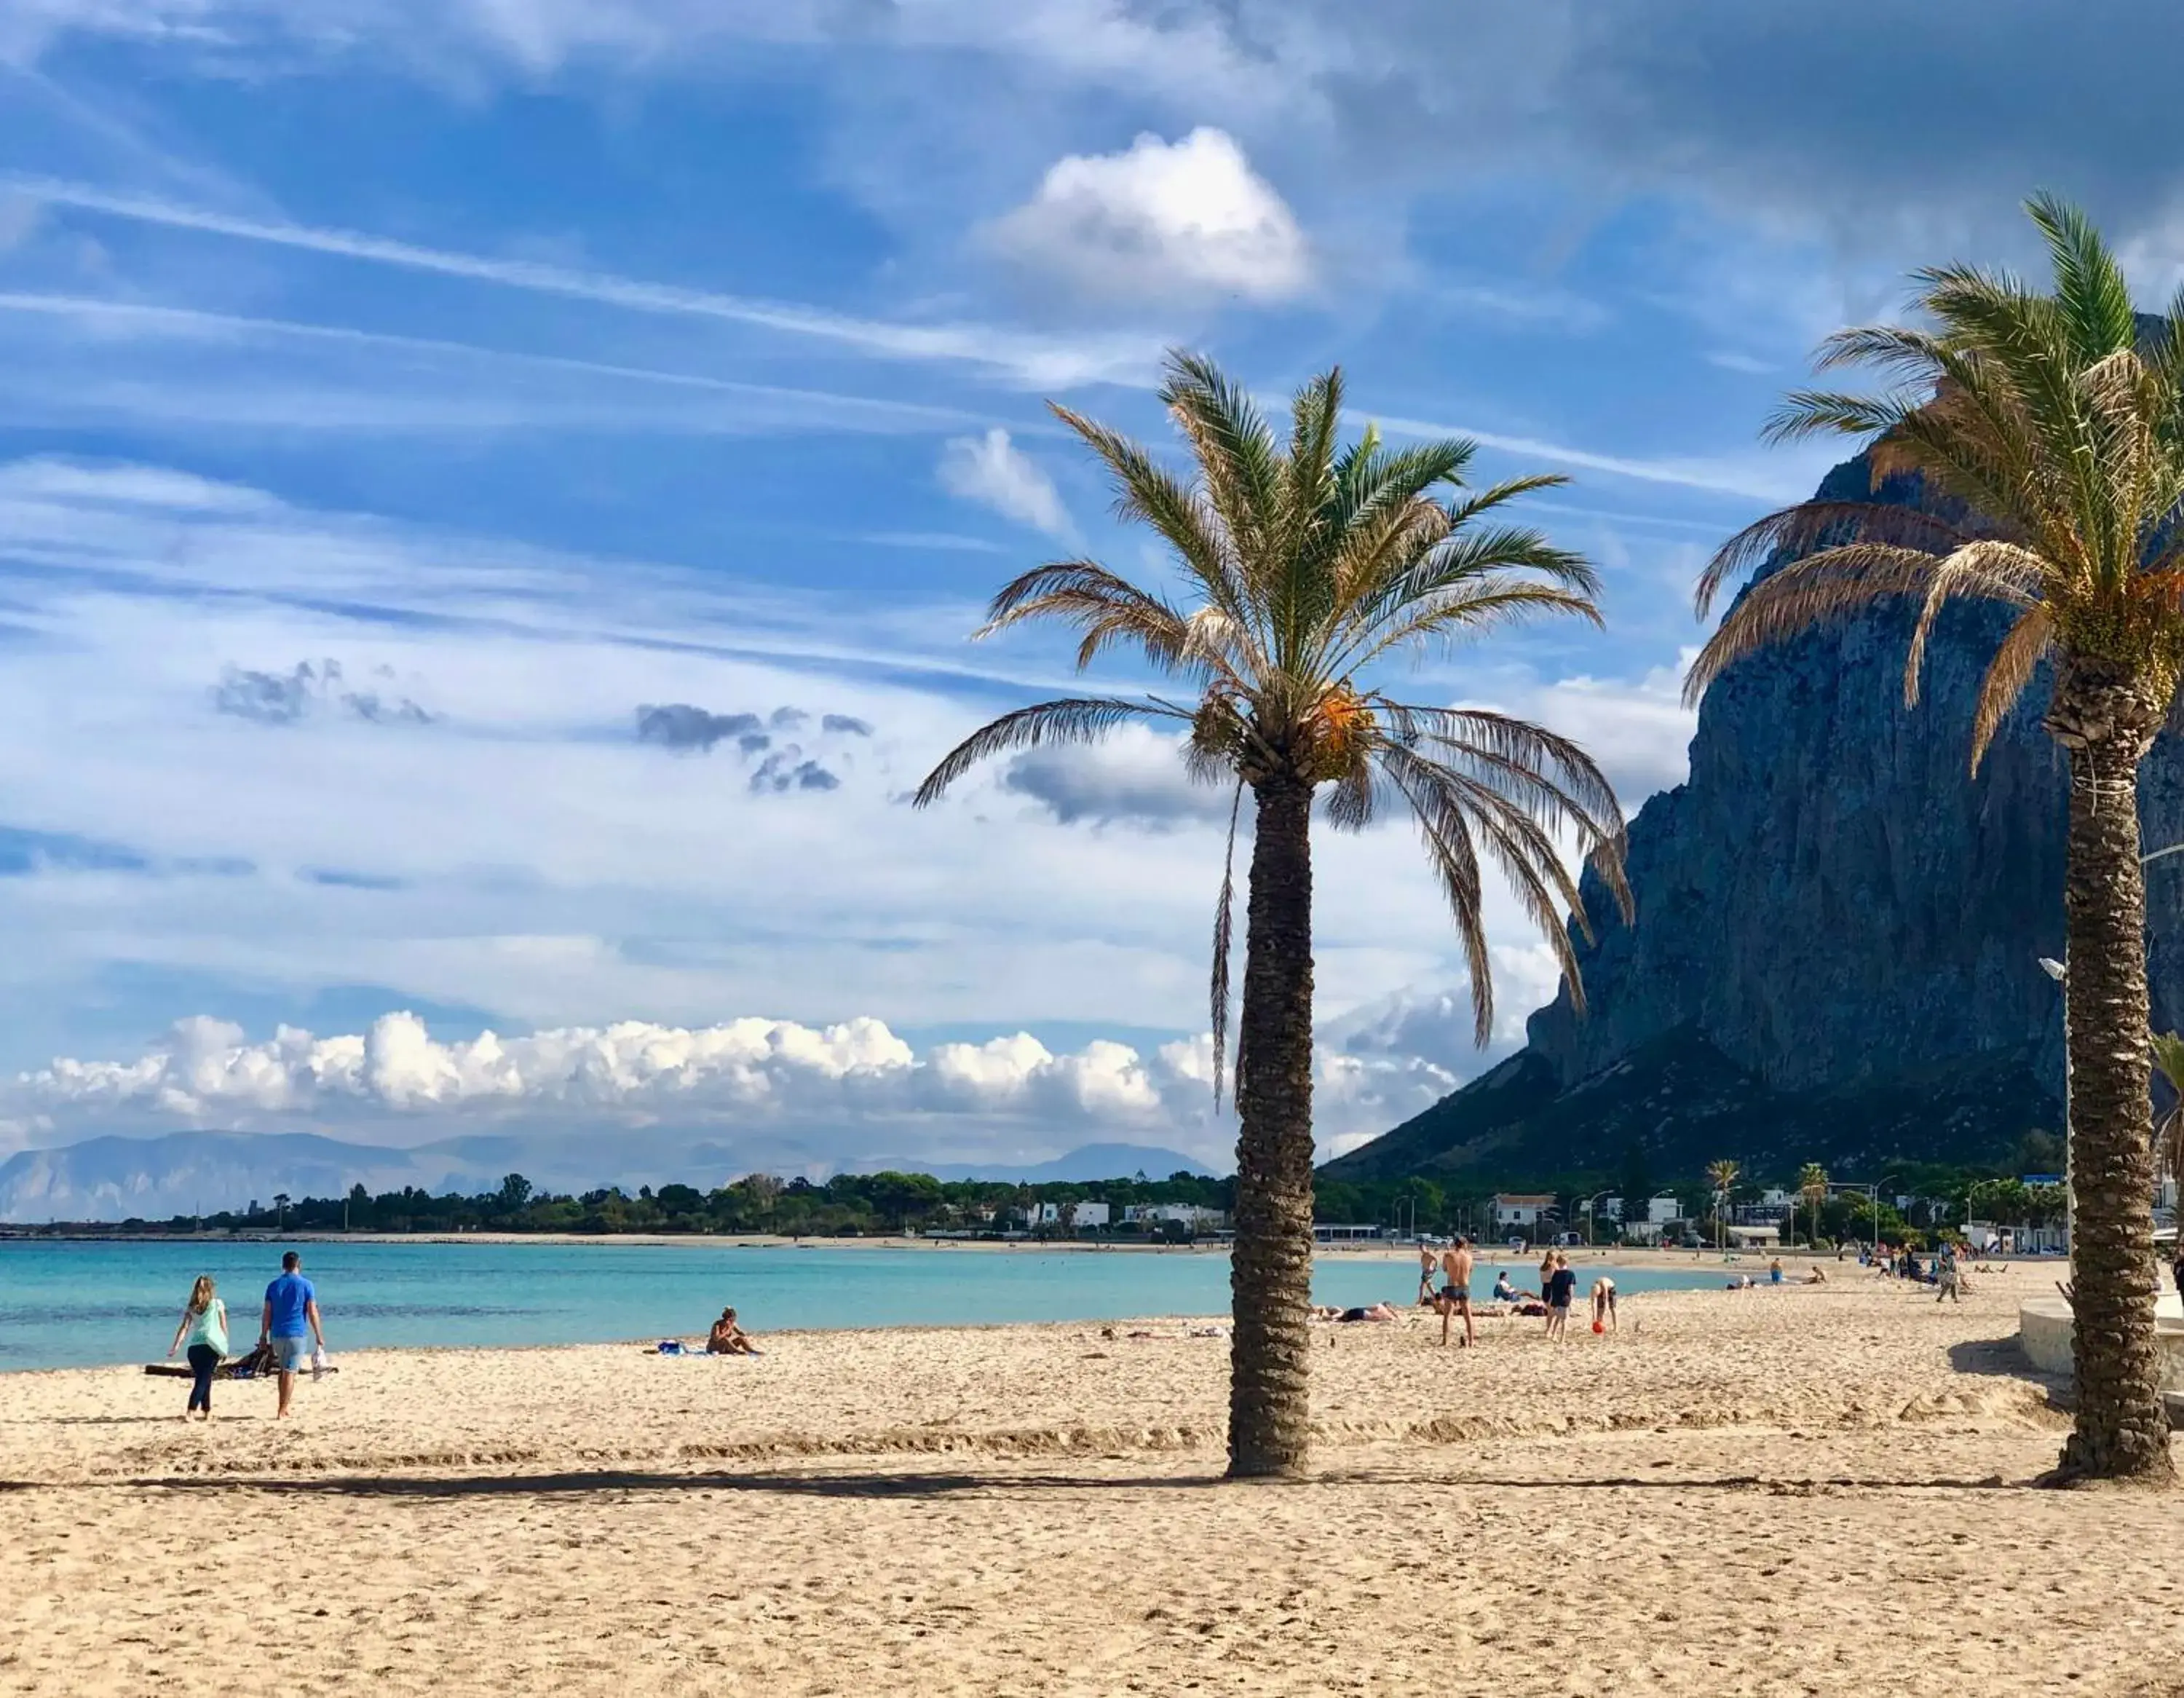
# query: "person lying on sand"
(728, 1339)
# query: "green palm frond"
(2090, 290)
(2168, 1050)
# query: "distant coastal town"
(1908, 1203)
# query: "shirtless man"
(1455, 1297)
(1425, 1274)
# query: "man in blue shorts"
(289, 1324)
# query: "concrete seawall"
(2043, 1333)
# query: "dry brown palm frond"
(1989, 569)
(1813, 525)
(1106, 608)
(2016, 658)
(1831, 585)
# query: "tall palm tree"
(2047, 430)
(1813, 1186)
(1305, 568)
(1722, 1176)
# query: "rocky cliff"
(1835, 953)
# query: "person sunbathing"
(728, 1339)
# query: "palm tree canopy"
(1306, 566)
(2047, 430)
(1723, 1174)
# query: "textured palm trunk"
(2107, 721)
(1270, 1270)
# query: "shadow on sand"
(940, 1485)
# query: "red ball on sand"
(1600, 1327)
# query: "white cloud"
(1759, 476)
(1188, 218)
(992, 470)
(343, 375)
(1034, 361)
(739, 1075)
(526, 855)
(1640, 733)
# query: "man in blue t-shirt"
(289, 1324)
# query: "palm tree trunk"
(2107, 721)
(1270, 1270)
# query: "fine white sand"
(1783, 1492)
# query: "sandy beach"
(1793, 1491)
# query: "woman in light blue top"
(203, 1328)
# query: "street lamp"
(2059, 971)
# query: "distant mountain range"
(194, 1173)
(1087, 1161)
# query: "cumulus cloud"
(753, 1073)
(681, 727)
(781, 766)
(1186, 218)
(278, 698)
(685, 728)
(786, 769)
(992, 470)
(1640, 733)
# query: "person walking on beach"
(1426, 1265)
(1562, 1288)
(290, 1323)
(1945, 1274)
(1455, 1298)
(204, 1330)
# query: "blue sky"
(493, 495)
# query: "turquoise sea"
(72, 1304)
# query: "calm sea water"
(67, 1304)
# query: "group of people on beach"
(291, 1335)
(1554, 1299)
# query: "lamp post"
(2059, 971)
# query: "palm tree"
(1813, 1186)
(2047, 431)
(1306, 567)
(1722, 1176)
